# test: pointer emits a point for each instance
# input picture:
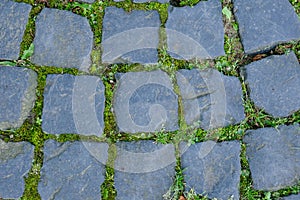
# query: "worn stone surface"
(144, 170)
(292, 197)
(146, 1)
(273, 156)
(210, 99)
(73, 104)
(87, 1)
(17, 91)
(195, 32)
(212, 169)
(130, 37)
(62, 39)
(145, 102)
(15, 163)
(274, 84)
(70, 171)
(13, 20)
(266, 23)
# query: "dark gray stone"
(274, 84)
(212, 169)
(292, 197)
(265, 23)
(130, 37)
(73, 104)
(13, 20)
(70, 171)
(62, 39)
(17, 91)
(210, 99)
(15, 163)
(144, 170)
(145, 102)
(273, 156)
(196, 32)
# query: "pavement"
(154, 100)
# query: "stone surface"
(62, 39)
(144, 170)
(266, 23)
(274, 84)
(145, 102)
(210, 99)
(17, 91)
(212, 169)
(292, 197)
(70, 171)
(196, 32)
(73, 104)
(146, 1)
(15, 163)
(87, 1)
(273, 156)
(130, 37)
(13, 20)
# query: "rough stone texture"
(266, 23)
(13, 20)
(15, 163)
(145, 102)
(144, 170)
(70, 171)
(274, 84)
(87, 1)
(196, 32)
(292, 197)
(212, 169)
(273, 156)
(17, 91)
(62, 39)
(73, 104)
(130, 37)
(210, 98)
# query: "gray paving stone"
(15, 163)
(292, 197)
(144, 170)
(274, 84)
(70, 171)
(210, 99)
(145, 102)
(62, 39)
(73, 104)
(273, 156)
(17, 91)
(196, 32)
(87, 1)
(265, 23)
(130, 37)
(13, 20)
(212, 169)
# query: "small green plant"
(27, 53)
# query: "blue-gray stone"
(273, 156)
(210, 99)
(62, 39)
(87, 1)
(146, 1)
(292, 197)
(145, 102)
(15, 163)
(144, 170)
(265, 23)
(212, 169)
(274, 84)
(13, 20)
(196, 32)
(71, 171)
(73, 104)
(17, 91)
(130, 37)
